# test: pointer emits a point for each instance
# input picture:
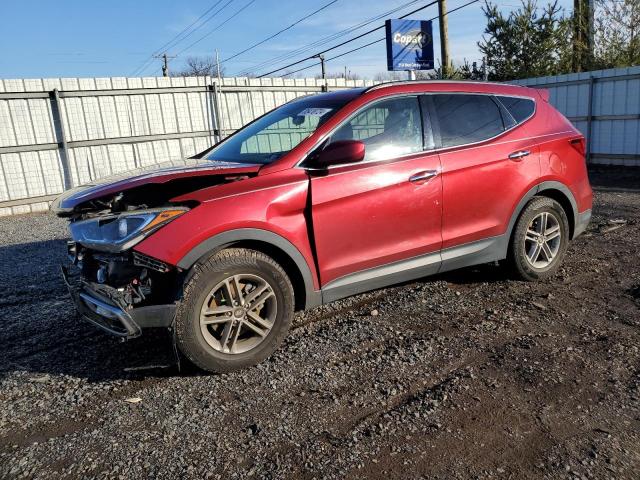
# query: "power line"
(346, 41)
(143, 67)
(337, 56)
(375, 41)
(328, 38)
(176, 39)
(166, 45)
(280, 31)
(205, 22)
(217, 27)
(158, 50)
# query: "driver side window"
(389, 129)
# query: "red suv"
(325, 197)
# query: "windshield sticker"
(314, 112)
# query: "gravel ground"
(467, 374)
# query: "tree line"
(534, 41)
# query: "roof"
(396, 83)
(459, 86)
(344, 94)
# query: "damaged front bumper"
(100, 305)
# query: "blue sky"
(88, 38)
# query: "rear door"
(488, 162)
(385, 209)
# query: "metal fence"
(59, 133)
(605, 106)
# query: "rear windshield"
(278, 132)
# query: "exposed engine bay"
(107, 220)
(145, 196)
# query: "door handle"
(519, 155)
(423, 176)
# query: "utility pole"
(324, 75)
(216, 91)
(165, 63)
(218, 65)
(444, 37)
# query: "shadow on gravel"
(31, 261)
(635, 293)
(95, 357)
(41, 333)
(487, 273)
(613, 178)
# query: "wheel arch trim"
(542, 187)
(230, 237)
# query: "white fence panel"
(56, 133)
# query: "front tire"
(236, 309)
(540, 240)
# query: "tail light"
(579, 145)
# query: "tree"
(200, 67)
(469, 71)
(526, 43)
(465, 71)
(582, 36)
(617, 33)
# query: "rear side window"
(519, 108)
(467, 118)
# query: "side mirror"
(339, 153)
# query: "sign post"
(409, 46)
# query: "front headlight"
(115, 233)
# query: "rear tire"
(539, 241)
(236, 309)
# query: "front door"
(379, 221)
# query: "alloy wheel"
(238, 313)
(542, 240)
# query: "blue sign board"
(409, 45)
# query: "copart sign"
(409, 45)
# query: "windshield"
(276, 133)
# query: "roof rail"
(394, 83)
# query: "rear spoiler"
(544, 94)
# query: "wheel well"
(286, 262)
(564, 202)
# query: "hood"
(173, 178)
